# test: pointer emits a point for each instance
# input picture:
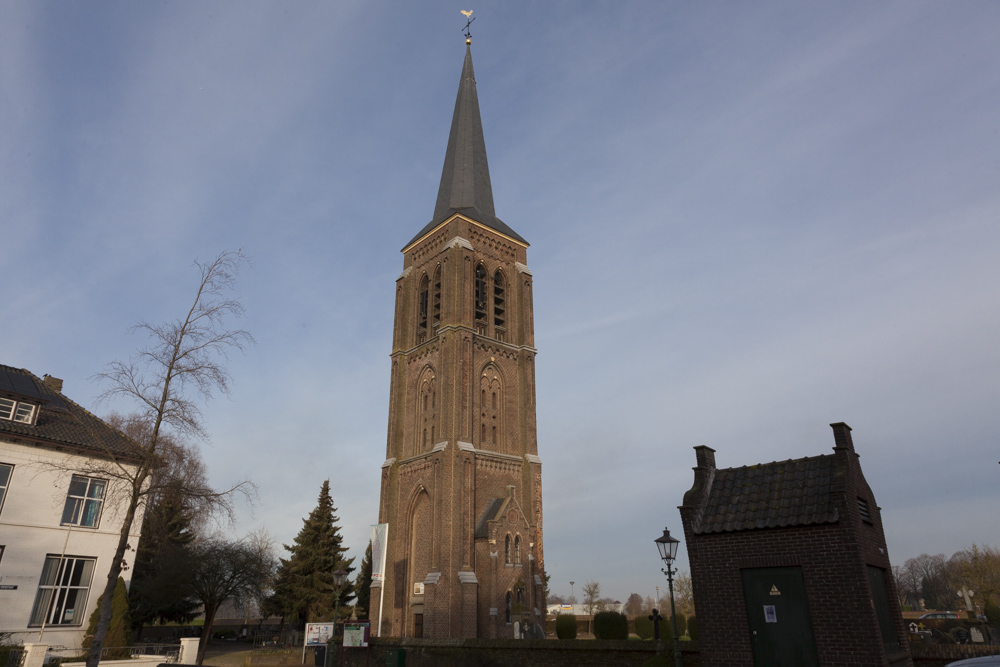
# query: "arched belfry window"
(499, 306)
(506, 550)
(491, 409)
(481, 320)
(517, 550)
(422, 304)
(436, 305)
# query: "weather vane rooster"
(467, 13)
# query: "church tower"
(461, 484)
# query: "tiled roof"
(489, 514)
(796, 492)
(62, 422)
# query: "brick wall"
(520, 653)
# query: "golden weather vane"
(467, 13)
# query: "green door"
(781, 629)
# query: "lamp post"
(339, 577)
(571, 596)
(668, 551)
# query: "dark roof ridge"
(759, 465)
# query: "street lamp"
(339, 578)
(668, 551)
(571, 596)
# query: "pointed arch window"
(422, 299)
(499, 306)
(517, 550)
(508, 606)
(436, 305)
(490, 409)
(426, 411)
(506, 550)
(481, 321)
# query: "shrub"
(693, 628)
(566, 626)
(992, 612)
(119, 629)
(907, 607)
(643, 627)
(610, 625)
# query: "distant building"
(462, 480)
(59, 520)
(789, 564)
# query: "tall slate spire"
(465, 180)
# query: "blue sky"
(747, 220)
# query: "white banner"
(380, 536)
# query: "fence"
(937, 655)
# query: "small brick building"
(789, 564)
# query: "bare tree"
(185, 360)
(226, 570)
(591, 600)
(684, 593)
(634, 605)
(978, 569)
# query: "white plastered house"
(60, 517)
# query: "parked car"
(985, 661)
(940, 614)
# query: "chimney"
(705, 457)
(52, 383)
(842, 436)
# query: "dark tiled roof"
(771, 495)
(465, 179)
(62, 422)
(489, 514)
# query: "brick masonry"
(833, 556)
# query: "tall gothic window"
(422, 315)
(507, 614)
(499, 307)
(491, 409)
(436, 306)
(481, 320)
(517, 550)
(506, 550)
(426, 411)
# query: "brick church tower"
(461, 484)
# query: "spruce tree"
(304, 591)
(161, 583)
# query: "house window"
(62, 591)
(83, 502)
(17, 411)
(5, 471)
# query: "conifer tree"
(364, 582)
(120, 629)
(304, 591)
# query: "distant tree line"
(935, 582)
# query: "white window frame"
(17, 411)
(5, 481)
(63, 589)
(84, 506)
